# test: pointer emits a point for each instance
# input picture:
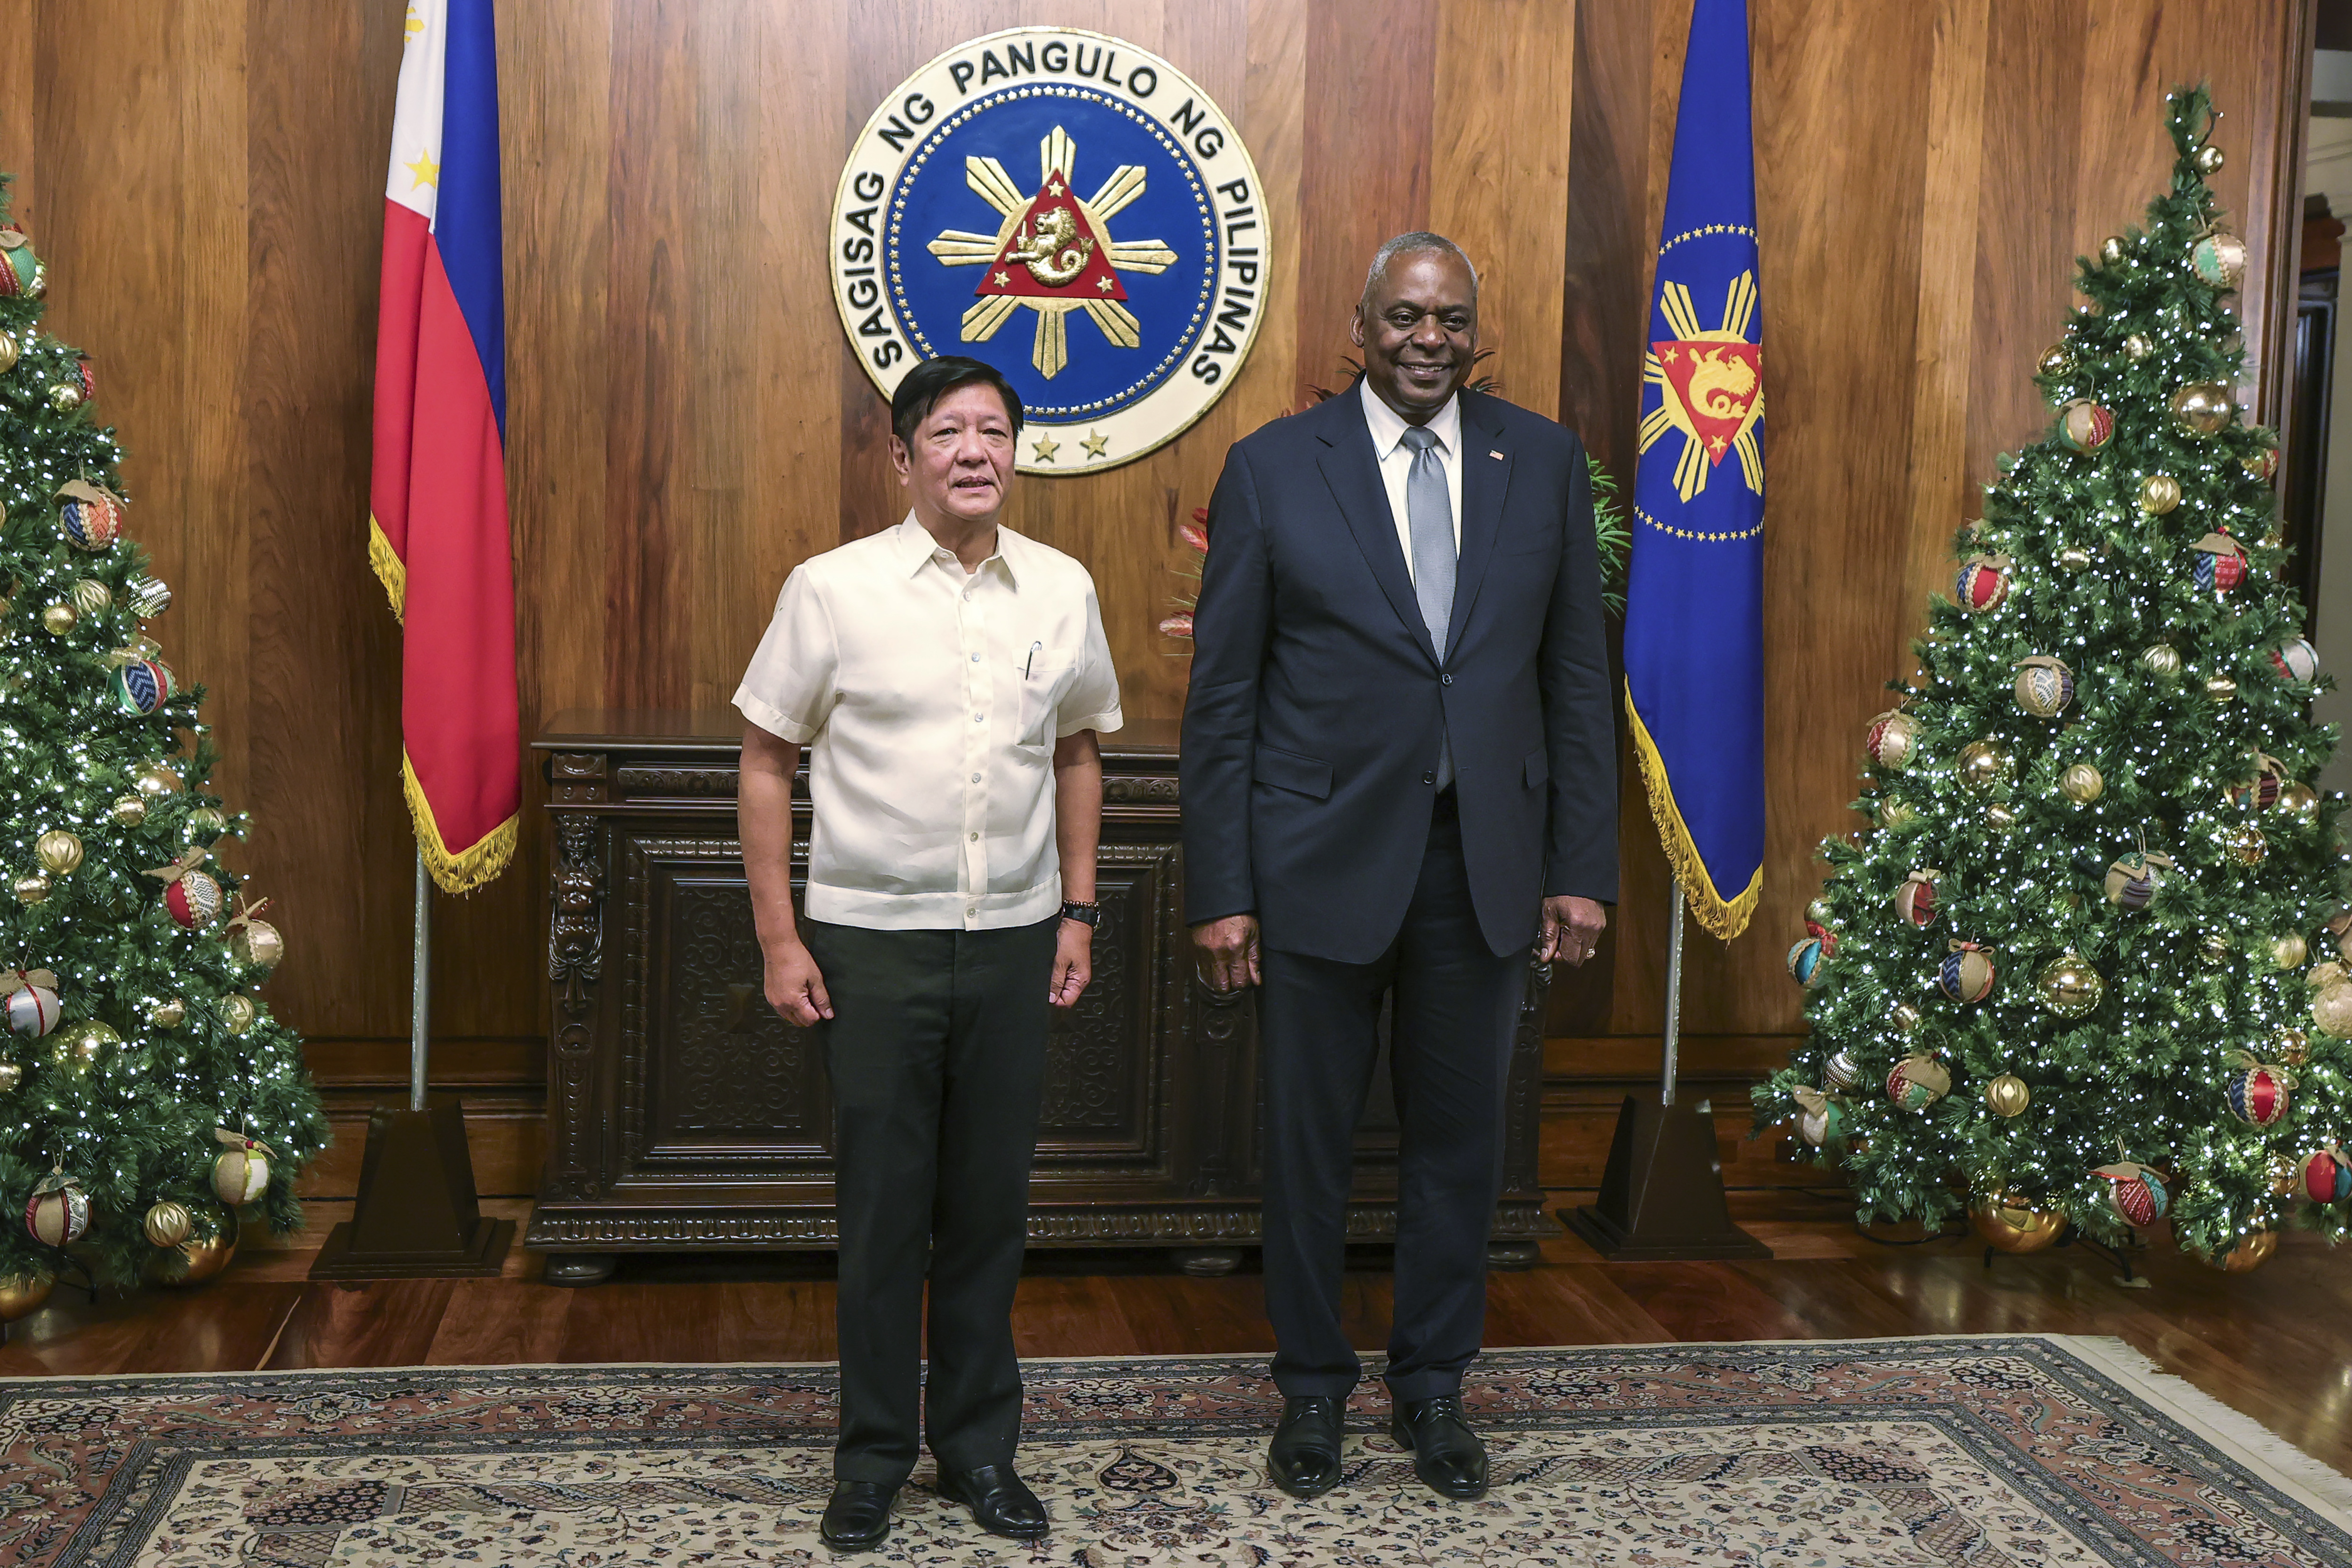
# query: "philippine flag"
(437, 531)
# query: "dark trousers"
(936, 1048)
(1449, 1051)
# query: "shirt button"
(1444, 680)
(1429, 778)
(978, 719)
(975, 658)
(975, 839)
(975, 778)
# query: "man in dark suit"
(1399, 771)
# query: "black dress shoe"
(1000, 1503)
(858, 1517)
(1446, 1454)
(1304, 1458)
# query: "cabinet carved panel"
(685, 1113)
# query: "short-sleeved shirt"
(930, 700)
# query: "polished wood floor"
(2275, 1343)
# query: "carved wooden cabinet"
(684, 1114)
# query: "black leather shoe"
(1446, 1454)
(858, 1516)
(1304, 1458)
(1000, 1503)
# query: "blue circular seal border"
(887, 212)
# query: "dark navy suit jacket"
(1311, 732)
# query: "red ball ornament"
(1915, 900)
(2220, 563)
(2297, 662)
(58, 1211)
(193, 899)
(2137, 1192)
(2327, 1176)
(1893, 740)
(1983, 582)
(2258, 1094)
(2085, 426)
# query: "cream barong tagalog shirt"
(929, 700)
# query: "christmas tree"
(146, 1094)
(2082, 966)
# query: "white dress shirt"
(1387, 427)
(930, 700)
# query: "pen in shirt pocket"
(1031, 663)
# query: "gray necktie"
(1429, 518)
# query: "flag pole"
(420, 989)
(1674, 992)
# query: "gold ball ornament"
(2220, 689)
(204, 825)
(257, 943)
(2209, 159)
(1904, 1016)
(2246, 844)
(2161, 659)
(196, 1261)
(168, 1015)
(90, 597)
(2008, 1223)
(2251, 1253)
(156, 781)
(2056, 359)
(2331, 1010)
(2111, 249)
(2290, 1048)
(65, 397)
(2219, 257)
(2214, 949)
(58, 851)
(10, 1075)
(2326, 974)
(2300, 801)
(1818, 911)
(169, 1224)
(2138, 347)
(2082, 783)
(77, 1048)
(1999, 818)
(237, 1012)
(2159, 494)
(130, 811)
(2070, 987)
(32, 888)
(1895, 812)
(2284, 1175)
(58, 619)
(2288, 952)
(21, 1295)
(9, 349)
(2007, 1095)
(1983, 764)
(2204, 407)
(2073, 558)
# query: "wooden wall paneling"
(1500, 119)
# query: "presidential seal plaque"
(1072, 209)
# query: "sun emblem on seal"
(1053, 253)
(1711, 387)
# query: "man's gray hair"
(1420, 242)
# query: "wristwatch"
(1084, 914)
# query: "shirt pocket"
(1047, 677)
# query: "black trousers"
(1449, 1050)
(936, 1048)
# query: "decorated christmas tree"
(2082, 966)
(146, 1094)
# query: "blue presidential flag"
(1694, 588)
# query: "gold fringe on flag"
(1721, 916)
(390, 570)
(460, 870)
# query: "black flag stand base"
(418, 1217)
(1662, 1194)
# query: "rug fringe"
(2260, 1449)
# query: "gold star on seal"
(1045, 446)
(1097, 444)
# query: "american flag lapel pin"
(1497, 456)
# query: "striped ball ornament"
(2327, 1176)
(2220, 563)
(193, 899)
(1917, 1082)
(2258, 1095)
(142, 686)
(58, 1214)
(1840, 1072)
(2296, 661)
(149, 597)
(2085, 427)
(2136, 1191)
(1983, 582)
(1967, 974)
(1893, 740)
(89, 515)
(2045, 686)
(33, 1010)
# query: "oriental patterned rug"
(1970, 1452)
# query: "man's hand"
(1074, 963)
(1571, 929)
(795, 989)
(1227, 951)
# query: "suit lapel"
(1485, 479)
(1354, 475)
